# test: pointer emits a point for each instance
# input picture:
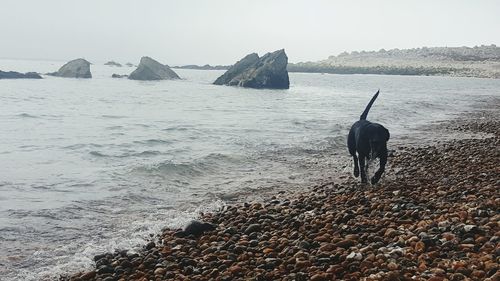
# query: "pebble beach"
(434, 216)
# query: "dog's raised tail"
(365, 113)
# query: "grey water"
(89, 166)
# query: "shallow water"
(94, 165)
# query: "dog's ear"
(388, 134)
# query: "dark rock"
(238, 68)
(149, 69)
(230, 231)
(100, 256)
(150, 245)
(268, 72)
(113, 63)
(105, 269)
(78, 68)
(88, 275)
(119, 75)
(252, 228)
(126, 264)
(305, 245)
(345, 243)
(195, 228)
(129, 64)
(18, 75)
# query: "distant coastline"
(479, 61)
(203, 67)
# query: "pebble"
(355, 256)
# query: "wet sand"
(434, 216)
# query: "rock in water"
(119, 75)
(113, 63)
(238, 68)
(17, 75)
(149, 69)
(78, 68)
(267, 72)
(196, 228)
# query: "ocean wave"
(146, 153)
(113, 116)
(114, 127)
(82, 145)
(26, 115)
(169, 168)
(153, 142)
(98, 154)
(197, 168)
(142, 125)
(178, 128)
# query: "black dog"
(369, 140)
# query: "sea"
(96, 165)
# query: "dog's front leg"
(381, 169)
(362, 168)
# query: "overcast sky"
(222, 31)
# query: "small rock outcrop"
(119, 75)
(268, 72)
(79, 68)
(18, 75)
(195, 228)
(113, 63)
(129, 64)
(149, 69)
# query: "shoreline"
(434, 216)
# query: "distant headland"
(203, 67)
(479, 61)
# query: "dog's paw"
(356, 173)
(374, 180)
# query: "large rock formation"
(268, 72)
(78, 68)
(238, 68)
(149, 69)
(18, 75)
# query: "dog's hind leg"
(362, 168)
(356, 166)
(381, 169)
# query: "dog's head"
(378, 141)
